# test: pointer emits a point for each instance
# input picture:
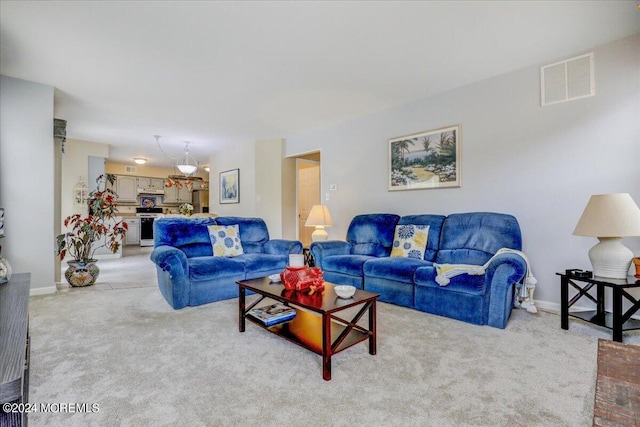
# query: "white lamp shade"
(609, 215)
(319, 216)
(186, 169)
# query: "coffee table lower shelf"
(306, 330)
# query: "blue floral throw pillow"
(410, 241)
(225, 240)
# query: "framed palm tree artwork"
(425, 160)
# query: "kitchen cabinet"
(184, 195)
(177, 195)
(145, 183)
(133, 234)
(200, 185)
(126, 188)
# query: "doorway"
(307, 193)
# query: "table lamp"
(609, 217)
(319, 217)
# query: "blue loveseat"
(466, 238)
(189, 274)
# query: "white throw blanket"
(525, 289)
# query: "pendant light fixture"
(187, 165)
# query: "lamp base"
(610, 258)
(319, 234)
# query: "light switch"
(326, 196)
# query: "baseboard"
(109, 256)
(553, 307)
(43, 291)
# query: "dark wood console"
(14, 347)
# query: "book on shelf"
(272, 314)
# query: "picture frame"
(230, 186)
(425, 160)
(148, 201)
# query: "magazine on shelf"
(271, 314)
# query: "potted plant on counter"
(87, 234)
(185, 209)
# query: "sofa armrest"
(282, 247)
(501, 274)
(320, 250)
(169, 258)
(173, 275)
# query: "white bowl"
(345, 291)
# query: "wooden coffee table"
(316, 326)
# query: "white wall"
(75, 164)
(539, 164)
(268, 185)
(27, 192)
(240, 156)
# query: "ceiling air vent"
(130, 169)
(567, 80)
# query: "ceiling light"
(187, 165)
(140, 160)
(206, 168)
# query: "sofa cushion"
(263, 262)
(473, 238)
(253, 232)
(346, 264)
(189, 235)
(372, 234)
(212, 267)
(225, 240)
(410, 241)
(435, 228)
(396, 269)
(465, 283)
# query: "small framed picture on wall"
(230, 186)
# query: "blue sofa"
(189, 273)
(466, 238)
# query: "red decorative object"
(313, 300)
(636, 262)
(303, 279)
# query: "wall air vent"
(567, 80)
(130, 169)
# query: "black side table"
(616, 320)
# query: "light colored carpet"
(148, 365)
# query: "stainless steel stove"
(147, 217)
